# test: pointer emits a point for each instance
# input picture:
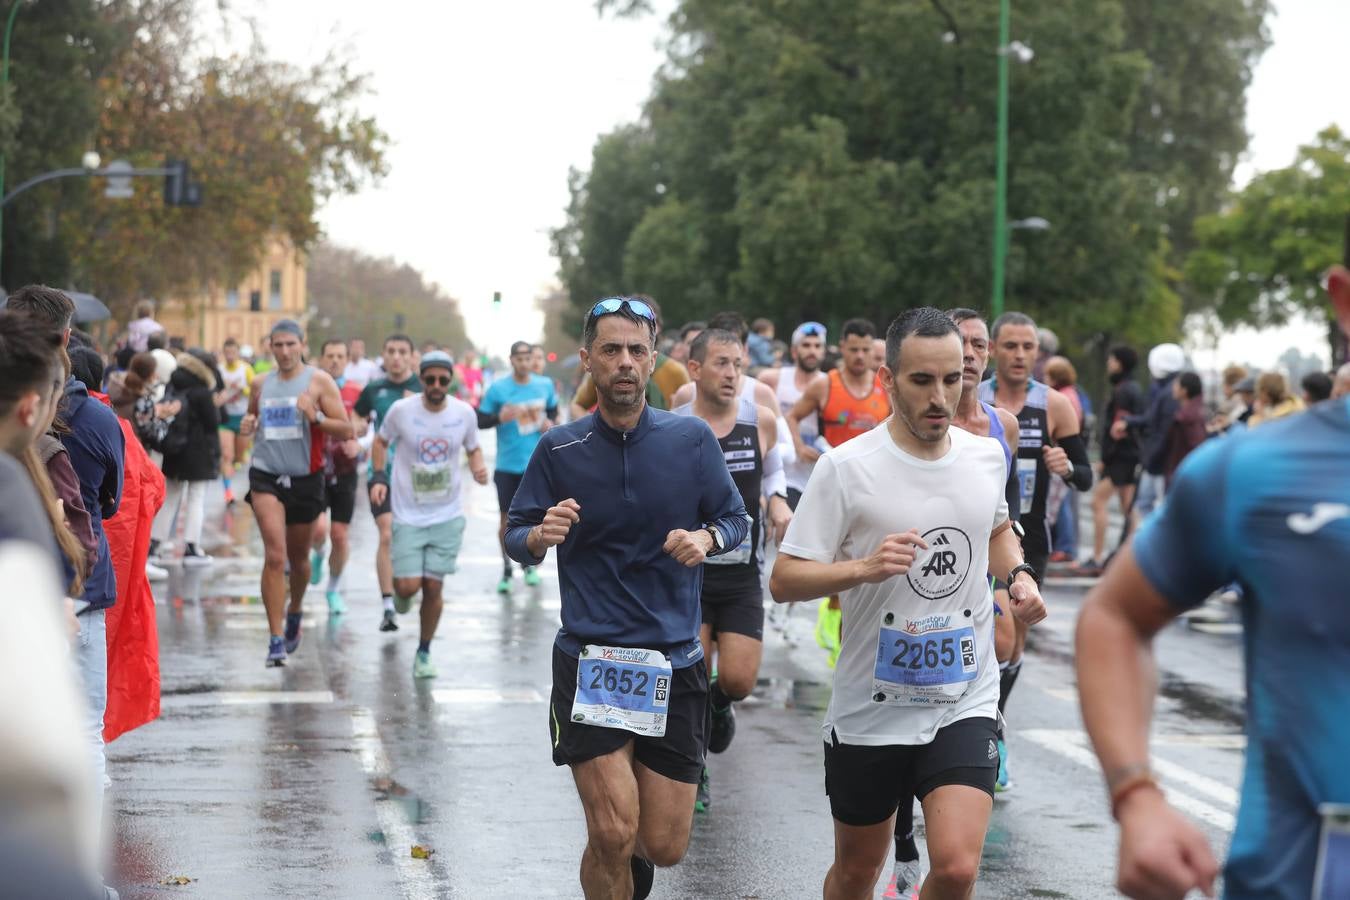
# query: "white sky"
(488, 104)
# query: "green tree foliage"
(1262, 259)
(361, 296)
(269, 142)
(808, 159)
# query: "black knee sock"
(905, 848)
(718, 697)
(1006, 679)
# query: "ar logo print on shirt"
(940, 570)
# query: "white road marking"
(1072, 745)
(246, 698)
(486, 696)
(1068, 694)
(416, 878)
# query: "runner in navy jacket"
(635, 500)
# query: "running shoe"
(904, 883)
(276, 652)
(335, 605)
(1060, 556)
(389, 622)
(193, 557)
(532, 577)
(315, 566)
(423, 666)
(155, 573)
(1002, 784)
(504, 586)
(703, 796)
(292, 632)
(643, 875)
(229, 497)
(828, 623)
(403, 604)
(723, 729)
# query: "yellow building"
(247, 311)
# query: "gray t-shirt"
(21, 514)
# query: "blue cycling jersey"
(1270, 509)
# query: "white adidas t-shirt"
(917, 650)
(427, 466)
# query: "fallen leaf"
(177, 879)
(420, 852)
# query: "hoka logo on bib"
(940, 570)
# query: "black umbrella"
(88, 308)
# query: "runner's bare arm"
(1005, 554)
(1067, 457)
(810, 403)
(683, 394)
(336, 423)
(249, 423)
(774, 481)
(1011, 430)
(795, 578)
(770, 377)
(477, 466)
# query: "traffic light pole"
(76, 173)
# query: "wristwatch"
(1018, 570)
(716, 538)
(319, 417)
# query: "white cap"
(1166, 359)
(165, 364)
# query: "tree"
(361, 296)
(1262, 259)
(805, 159)
(269, 142)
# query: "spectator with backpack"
(191, 448)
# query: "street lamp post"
(1001, 165)
(4, 87)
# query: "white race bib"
(281, 419)
(931, 661)
(531, 417)
(431, 482)
(623, 687)
(1026, 483)
(738, 556)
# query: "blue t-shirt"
(514, 448)
(1270, 509)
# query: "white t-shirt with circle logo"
(431, 446)
(917, 650)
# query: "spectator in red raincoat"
(133, 637)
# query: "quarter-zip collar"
(624, 438)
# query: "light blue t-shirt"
(517, 439)
(1270, 509)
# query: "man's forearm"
(1005, 554)
(524, 545)
(1117, 680)
(794, 579)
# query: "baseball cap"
(808, 329)
(437, 359)
(290, 326)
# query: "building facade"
(277, 289)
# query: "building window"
(274, 295)
(255, 301)
(232, 298)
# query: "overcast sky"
(489, 104)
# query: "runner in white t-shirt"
(903, 522)
(431, 429)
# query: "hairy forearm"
(1117, 680)
(1005, 554)
(795, 579)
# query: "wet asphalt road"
(315, 780)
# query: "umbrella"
(88, 308)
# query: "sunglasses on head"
(436, 380)
(614, 304)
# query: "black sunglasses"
(437, 380)
(614, 304)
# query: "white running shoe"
(155, 573)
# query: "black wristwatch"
(1018, 570)
(716, 538)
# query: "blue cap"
(437, 359)
(290, 326)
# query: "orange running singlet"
(846, 416)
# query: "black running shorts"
(678, 755)
(302, 495)
(1122, 471)
(507, 484)
(867, 784)
(342, 498)
(737, 612)
(380, 509)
